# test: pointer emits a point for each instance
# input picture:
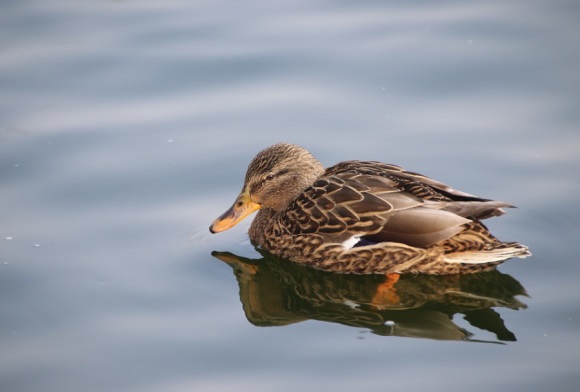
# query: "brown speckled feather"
(405, 222)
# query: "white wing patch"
(352, 241)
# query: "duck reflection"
(275, 292)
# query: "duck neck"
(261, 224)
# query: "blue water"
(126, 128)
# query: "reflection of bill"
(275, 292)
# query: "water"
(126, 128)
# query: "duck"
(364, 217)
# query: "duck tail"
(499, 253)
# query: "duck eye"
(269, 177)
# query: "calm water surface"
(126, 128)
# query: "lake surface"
(126, 128)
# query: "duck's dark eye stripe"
(278, 174)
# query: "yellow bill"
(241, 208)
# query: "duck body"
(364, 217)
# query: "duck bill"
(241, 208)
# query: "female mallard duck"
(401, 222)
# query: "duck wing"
(425, 188)
(350, 205)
